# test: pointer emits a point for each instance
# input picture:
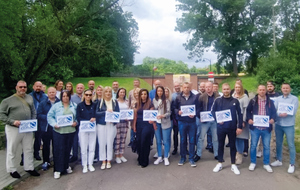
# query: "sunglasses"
(22, 86)
(88, 94)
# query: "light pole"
(209, 62)
(273, 19)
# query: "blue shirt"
(75, 98)
(289, 120)
(152, 94)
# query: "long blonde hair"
(95, 97)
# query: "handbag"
(134, 145)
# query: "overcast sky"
(157, 35)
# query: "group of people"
(107, 139)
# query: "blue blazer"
(42, 112)
(100, 112)
(36, 102)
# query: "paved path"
(132, 177)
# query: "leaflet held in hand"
(112, 117)
(64, 120)
(223, 116)
(87, 126)
(286, 108)
(188, 110)
(28, 126)
(126, 114)
(261, 120)
(206, 116)
(150, 115)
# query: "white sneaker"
(155, 155)
(291, 169)
(123, 159)
(69, 170)
(276, 163)
(91, 168)
(235, 169)
(118, 160)
(252, 166)
(56, 175)
(166, 161)
(85, 169)
(268, 168)
(259, 154)
(158, 160)
(218, 167)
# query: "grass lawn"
(297, 131)
(124, 82)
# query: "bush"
(279, 69)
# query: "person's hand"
(17, 123)
(159, 116)
(250, 121)
(191, 116)
(74, 124)
(154, 126)
(180, 112)
(92, 119)
(134, 129)
(221, 123)
(151, 122)
(238, 131)
(109, 110)
(271, 121)
(56, 126)
(244, 124)
(283, 115)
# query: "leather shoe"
(174, 152)
(33, 172)
(15, 174)
(211, 150)
(227, 145)
(37, 157)
(196, 158)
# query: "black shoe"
(245, 154)
(207, 147)
(227, 145)
(15, 174)
(174, 152)
(129, 145)
(21, 163)
(73, 159)
(37, 157)
(33, 172)
(187, 152)
(211, 150)
(196, 158)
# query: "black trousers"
(231, 133)
(175, 133)
(47, 137)
(144, 131)
(37, 142)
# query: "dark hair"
(56, 83)
(119, 91)
(148, 101)
(163, 97)
(270, 82)
(72, 91)
(65, 91)
(216, 83)
(83, 97)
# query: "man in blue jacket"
(38, 96)
(258, 106)
(186, 124)
(227, 126)
(46, 129)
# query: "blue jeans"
(185, 129)
(132, 135)
(209, 139)
(239, 143)
(198, 123)
(212, 126)
(289, 132)
(266, 138)
(163, 135)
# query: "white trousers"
(87, 143)
(106, 136)
(14, 138)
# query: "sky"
(157, 35)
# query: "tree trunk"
(235, 69)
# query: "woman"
(62, 136)
(244, 101)
(106, 131)
(122, 127)
(143, 129)
(168, 94)
(132, 105)
(86, 112)
(98, 95)
(69, 87)
(163, 123)
(59, 85)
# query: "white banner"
(28, 126)
(188, 110)
(64, 120)
(87, 126)
(150, 115)
(206, 116)
(223, 116)
(112, 117)
(126, 114)
(261, 120)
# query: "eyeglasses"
(22, 86)
(88, 94)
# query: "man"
(231, 128)
(38, 96)
(206, 101)
(261, 105)
(285, 124)
(91, 85)
(115, 88)
(271, 90)
(13, 110)
(76, 98)
(152, 92)
(136, 84)
(46, 129)
(177, 88)
(186, 124)
(216, 88)
(201, 87)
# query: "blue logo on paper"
(290, 108)
(28, 126)
(130, 113)
(191, 110)
(116, 116)
(154, 114)
(262, 121)
(32, 125)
